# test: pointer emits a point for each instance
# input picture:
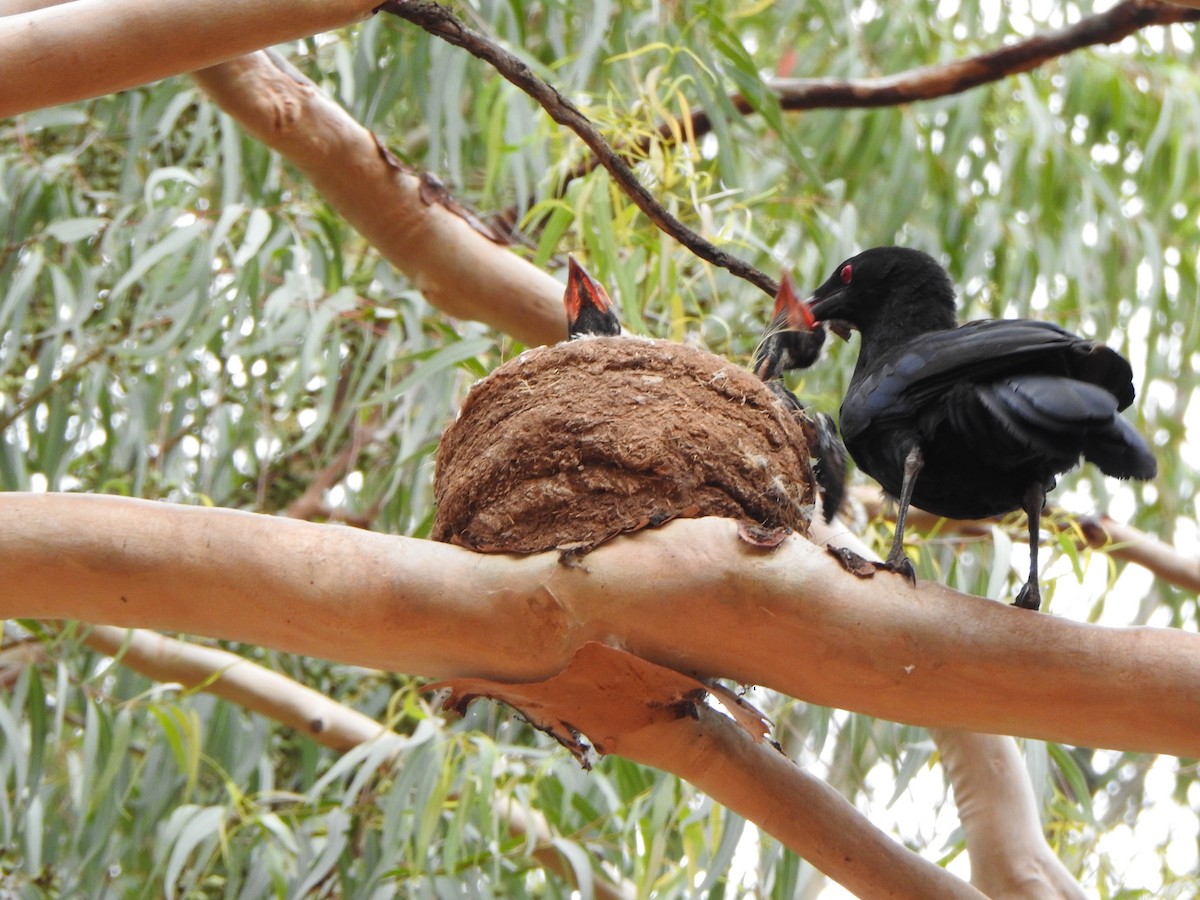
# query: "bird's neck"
(903, 319)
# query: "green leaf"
(70, 230)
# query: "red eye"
(845, 274)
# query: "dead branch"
(931, 82)
(689, 596)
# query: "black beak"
(825, 309)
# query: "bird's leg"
(1030, 596)
(896, 560)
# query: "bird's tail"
(1121, 452)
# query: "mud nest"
(569, 445)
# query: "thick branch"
(655, 716)
(748, 777)
(390, 206)
(690, 596)
(1009, 856)
(439, 21)
(89, 48)
(758, 782)
(704, 746)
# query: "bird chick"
(793, 341)
(589, 309)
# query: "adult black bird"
(973, 420)
(589, 309)
(793, 341)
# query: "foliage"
(185, 319)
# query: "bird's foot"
(1029, 597)
(901, 565)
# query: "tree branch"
(925, 82)
(426, 235)
(931, 82)
(419, 234)
(439, 21)
(88, 48)
(999, 815)
(1097, 531)
(239, 681)
(690, 596)
(657, 717)
(1008, 851)
(718, 757)
(309, 712)
(749, 777)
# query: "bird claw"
(902, 566)
(1029, 597)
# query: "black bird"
(973, 420)
(589, 310)
(793, 341)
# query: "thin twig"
(925, 82)
(440, 22)
(70, 373)
(1097, 531)
(311, 506)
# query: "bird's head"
(905, 288)
(589, 309)
(794, 337)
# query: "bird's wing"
(1020, 416)
(981, 352)
(1024, 418)
(932, 364)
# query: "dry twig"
(924, 82)
(439, 21)
(1097, 531)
